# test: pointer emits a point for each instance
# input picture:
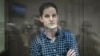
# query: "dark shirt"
(43, 46)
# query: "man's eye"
(54, 15)
(46, 16)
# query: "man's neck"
(50, 33)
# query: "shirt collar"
(59, 34)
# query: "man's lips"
(51, 23)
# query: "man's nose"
(51, 18)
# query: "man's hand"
(71, 53)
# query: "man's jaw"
(52, 27)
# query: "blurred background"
(81, 17)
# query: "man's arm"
(73, 49)
(71, 53)
(35, 48)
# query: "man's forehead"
(50, 10)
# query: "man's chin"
(52, 27)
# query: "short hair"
(47, 5)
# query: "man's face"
(63, 25)
(49, 18)
(87, 27)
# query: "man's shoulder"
(67, 32)
(36, 39)
(68, 35)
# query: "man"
(88, 40)
(52, 41)
(63, 25)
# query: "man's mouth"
(52, 24)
